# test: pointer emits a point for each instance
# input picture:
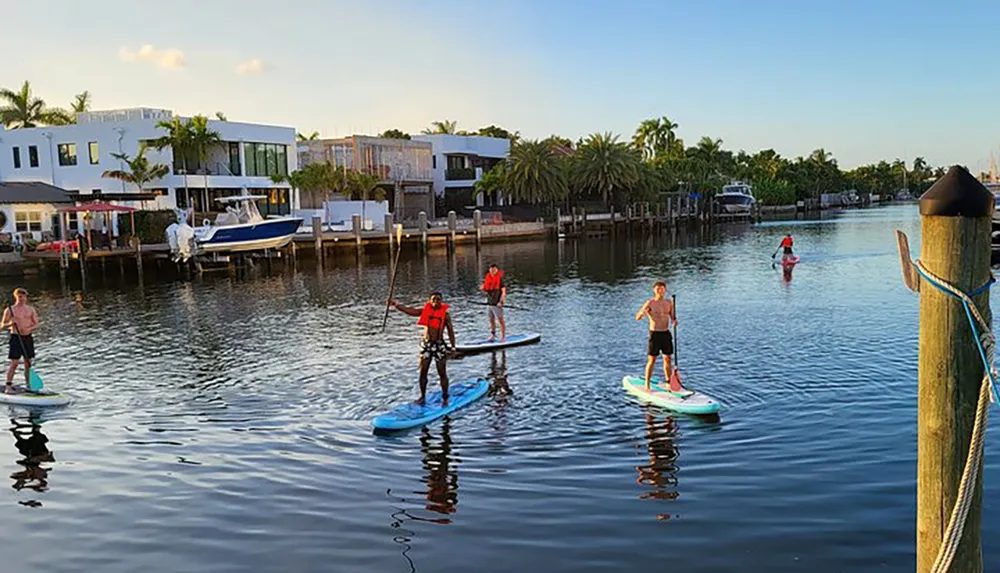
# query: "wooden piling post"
(574, 220)
(387, 224)
(477, 224)
(453, 227)
(422, 227)
(356, 226)
(956, 215)
(318, 236)
(558, 222)
(583, 219)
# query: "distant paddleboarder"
(435, 318)
(22, 320)
(786, 244)
(496, 295)
(661, 314)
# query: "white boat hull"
(243, 246)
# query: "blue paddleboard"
(411, 415)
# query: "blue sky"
(865, 80)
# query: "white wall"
(335, 212)
(443, 144)
(124, 136)
(10, 211)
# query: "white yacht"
(737, 197)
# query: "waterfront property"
(74, 157)
(402, 166)
(29, 210)
(459, 162)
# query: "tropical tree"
(221, 116)
(203, 141)
(81, 102)
(604, 165)
(315, 178)
(178, 139)
(21, 109)
(364, 186)
(656, 138)
(559, 140)
(447, 127)
(311, 137)
(394, 134)
(139, 170)
(533, 173)
(498, 132)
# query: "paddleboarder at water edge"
(661, 314)
(22, 320)
(496, 295)
(435, 318)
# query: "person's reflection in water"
(442, 488)
(442, 480)
(32, 444)
(661, 472)
(498, 375)
(786, 273)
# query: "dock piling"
(956, 223)
(422, 227)
(477, 224)
(453, 227)
(317, 225)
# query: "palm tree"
(311, 137)
(447, 127)
(604, 165)
(533, 173)
(203, 141)
(656, 138)
(81, 103)
(221, 116)
(363, 186)
(22, 109)
(140, 170)
(315, 178)
(178, 139)
(394, 134)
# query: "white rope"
(970, 475)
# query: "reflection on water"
(498, 375)
(441, 491)
(660, 473)
(32, 444)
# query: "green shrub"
(151, 225)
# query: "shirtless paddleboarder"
(22, 320)
(661, 314)
(435, 318)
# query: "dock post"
(583, 219)
(356, 225)
(422, 227)
(477, 224)
(387, 223)
(558, 222)
(318, 236)
(613, 221)
(452, 226)
(956, 223)
(573, 214)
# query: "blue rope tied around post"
(987, 391)
(983, 339)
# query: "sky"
(864, 79)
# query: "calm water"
(222, 424)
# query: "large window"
(33, 156)
(276, 204)
(25, 221)
(17, 158)
(234, 158)
(67, 154)
(265, 159)
(95, 152)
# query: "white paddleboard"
(659, 394)
(22, 397)
(485, 344)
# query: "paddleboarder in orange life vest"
(496, 295)
(435, 318)
(786, 244)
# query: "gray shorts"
(495, 312)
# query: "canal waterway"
(222, 424)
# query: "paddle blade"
(34, 381)
(399, 233)
(675, 380)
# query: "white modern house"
(73, 157)
(459, 161)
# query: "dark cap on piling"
(957, 194)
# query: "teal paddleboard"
(411, 415)
(689, 402)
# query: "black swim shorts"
(435, 350)
(660, 341)
(15, 351)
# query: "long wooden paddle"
(505, 305)
(34, 380)
(395, 268)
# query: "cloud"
(250, 67)
(172, 59)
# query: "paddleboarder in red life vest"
(786, 244)
(435, 318)
(496, 295)
(661, 314)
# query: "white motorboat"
(737, 197)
